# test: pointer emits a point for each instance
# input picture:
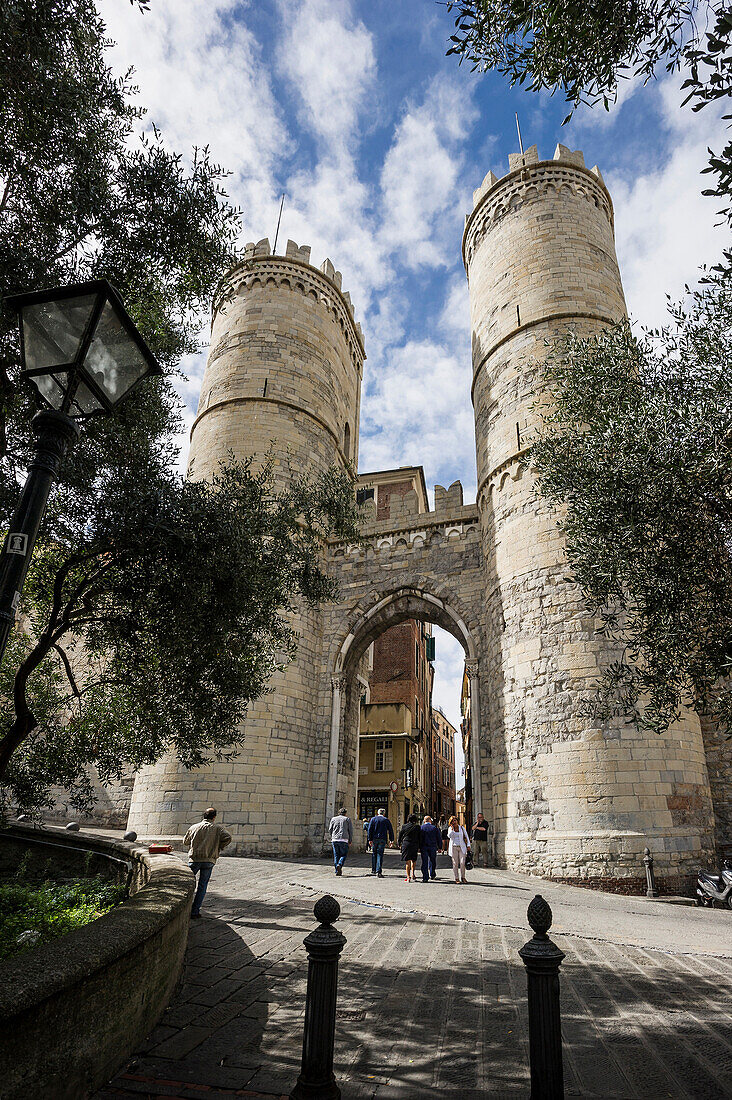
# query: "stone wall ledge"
(466, 514)
(72, 1010)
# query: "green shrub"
(51, 910)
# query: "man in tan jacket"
(206, 842)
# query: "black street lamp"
(82, 351)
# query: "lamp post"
(82, 351)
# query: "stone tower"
(283, 375)
(570, 798)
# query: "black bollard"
(542, 960)
(651, 891)
(324, 945)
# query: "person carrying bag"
(458, 848)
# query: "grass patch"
(34, 914)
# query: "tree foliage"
(637, 447)
(155, 619)
(155, 609)
(585, 50)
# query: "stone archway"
(413, 601)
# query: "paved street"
(432, 994)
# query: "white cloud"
(665, 228)
(455, 316)
(418, 412)
(423, 194)
(329, 58)
(328, 208)
(202, 80)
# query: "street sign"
(17, 544)
(393, 786)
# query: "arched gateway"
(568, 797)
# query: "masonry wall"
(718, 748)
(412, 565)
(74, 1009)
(571, 798)
(283, 375)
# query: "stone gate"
(568, 797)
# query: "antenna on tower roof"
(521, 144)
(279, 219)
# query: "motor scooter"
(711, 888)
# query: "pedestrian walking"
(341, 835)
(480, 840)
(409, 836)
(458, 848)
(430, 843)
(442, 826)
(381, 831)
(206, 841)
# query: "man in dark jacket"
(430, 843)
(380, 830)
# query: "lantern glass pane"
(52, 387)
(114, 360)
(52, 331)
(84, 402)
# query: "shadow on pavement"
(211, 1033)
(427, 1006)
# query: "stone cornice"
(422, 528)
(572, 315)
(298, 275)
(496, 474)
(257, 399)
(512, 191)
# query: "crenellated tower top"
(526, 179)
(259, 264)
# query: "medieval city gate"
(411, 566)
(567, 796)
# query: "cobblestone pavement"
(432, 993)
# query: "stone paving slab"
(432, 993)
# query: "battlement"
(529, 158)
(301, 254)
(405, 513)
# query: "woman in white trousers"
(458, 848)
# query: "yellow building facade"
(393, 764)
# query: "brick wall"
(400, 671)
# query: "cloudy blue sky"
(378, 139)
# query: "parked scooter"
(711, 888)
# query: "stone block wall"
(73, 1010)
(284, 369)
(412, 565)
(571, 798)
(283, 374)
